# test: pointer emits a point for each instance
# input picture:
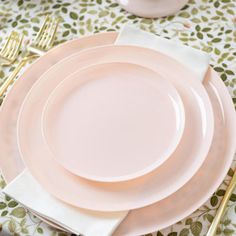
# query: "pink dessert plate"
(139, 192)
(113, 122)
(161, 214)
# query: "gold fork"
(221, 210)
(11, 49)
(43, 42)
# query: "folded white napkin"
(195, 60)
(29, 193)
(26, 190)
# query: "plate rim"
(146, 170)
(9, 175)
(157, 54)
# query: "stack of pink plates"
(113, 128)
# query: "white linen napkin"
(29, 193)
(195, 60)
(26, 190)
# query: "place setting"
(115, 133)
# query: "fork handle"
(223, 205)
(15, 72)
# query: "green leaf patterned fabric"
(208, 25)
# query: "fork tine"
(5, 45)
(9, 45)
(18, 46)
(44, 34)
(41, 31)
(53, 33)
(47, 34)
(12, 47)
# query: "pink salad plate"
(126, 195)
(158, 215)
(113, 122)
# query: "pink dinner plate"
(139, 192)
(161, 214)
(113, 122)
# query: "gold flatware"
(221, 210)
(45, 37)
(43, 42)
(11, 49)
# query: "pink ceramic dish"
(152, 8)
(113, 122)
(12, 102)
(168, 178)
(160, 214)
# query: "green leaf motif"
(22, 222)
(35, 20)
(198, 28)
(3, 205)
(207, 29)
(172, 234)
(18, 212)
(220, 192)
(92, 12)
(12, 204)
(209, 218)
(227, 222)
(24, 231)
(56, 6)
(73, 15)
(216, 40)
(7, 198)
(184, 232)
(199, 35)
(228, 232)
(67, 26)
(188, 221)
(82, 32)
(14, 24)
(194, 11)
(114, 5)
(195, 20)
(4, 213)
(12, 226)
(217, 51)
(229, 72)
(216, 4)
(233, 198)
(184, 14)
(64, 10)
(204, 19)
(66, 33)
(146, 21)
(103, 13)
(196, 228)
(159, 234)
(214, 200)
(36, 29)
(40, 230)
(20, 2)
(224, 78)
(83, 10)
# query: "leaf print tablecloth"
(208, 25)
